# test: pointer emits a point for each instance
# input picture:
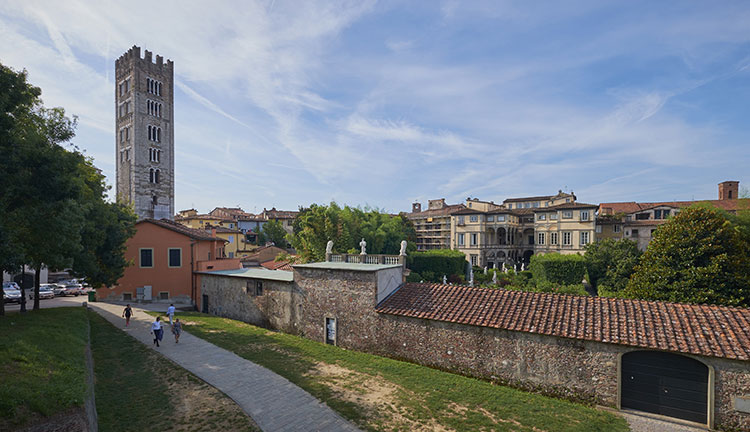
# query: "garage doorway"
(665, 383)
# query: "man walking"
(157, 331)
(170, 313)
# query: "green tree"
(273, 231)
(610, 263)
(698, 256)
(53, 199)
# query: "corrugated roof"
(715, 331)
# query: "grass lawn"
(139, 390)
(379, 393)
(42, 369)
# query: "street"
(48, 303)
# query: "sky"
(285, 103)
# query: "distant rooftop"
(346, 266)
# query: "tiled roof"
(565, 206)
(467, 211)
(632, 207)
(193, 233)
(539, 198)
(277, 265)
(445, 211)
(279, 214)
(203, 217)
(221, 229)
(715, 331)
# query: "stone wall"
(235, 298)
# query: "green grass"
(416, 395)
(42, 366)
(137, 389)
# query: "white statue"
(494, 277)
(329, 247)
(523, 266)
(485, 269)
(445, 280)
(402, 252)
(471, 276)
(504, 269)
(363, 247)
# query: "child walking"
(157, 330)
(127, 313)
(177, 330)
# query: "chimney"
(416, 207)
(729, 190)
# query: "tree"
(53, 199)
(610, 263)
(273, 231)
(316, 225)
(698, 256)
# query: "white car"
(46, 291)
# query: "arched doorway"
(527, 257)
(665, 383)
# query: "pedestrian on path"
(127, 313)
(170, 313)
(157, 330)
(177, 330)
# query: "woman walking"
(127, 313)
(157, 330)
(177, 330)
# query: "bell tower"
(144, 133)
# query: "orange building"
(164, 256)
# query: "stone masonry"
(144, 102)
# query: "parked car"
(45, 292)
(58, 289)
(12, 295)
(71, 288)
(11, 285)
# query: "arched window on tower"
(151, 176)
(159, 89)
(158, 134)
(156, 176)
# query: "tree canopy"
(610, 263)
(317, 224)
(273, 231)
(701, 255)
(52, 198)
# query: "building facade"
(433, 226)
(144, 133)
(639, 221)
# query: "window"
(642, 216)
(541, 216)
(231, 254)
(460, 239)
(231, 239)
(473, 218)
(634, 233)
(584, 215)
(553, 238)
(617, 228)
(473, 239)
(526, 205)
(661, 214)
(501, 218)
(490, 218)
(258, 288)
(567, 214)
(153, 175)
(652, 232)
(127, 296)
(147, 257)
(460, 220)
(540, 238)
(584, 238)
(536, 204)
(175, 257)
(474, 260)
(553, 216)
(598, 228)
(154, 155)
(510, 206)
(567, 238)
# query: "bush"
(438, 262)
(558, 269)
(414, 277)
(610, 263)
(549, 287)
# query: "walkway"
(271, 400)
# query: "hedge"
(558, 269)
(437, 262)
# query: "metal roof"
(254, 273)
(346, 266)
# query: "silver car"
(46, 291)
(12, 295)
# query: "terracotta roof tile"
(196, 234)
(715, 331)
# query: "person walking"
(170, 313)
(157, 331)
(127, 313)
(177, 330)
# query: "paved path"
(271, 400)
(644, 423)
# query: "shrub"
(558, 269)
(549, 287)
(611, 263)
(438, 262)
(414, 277)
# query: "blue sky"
(285, 103)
